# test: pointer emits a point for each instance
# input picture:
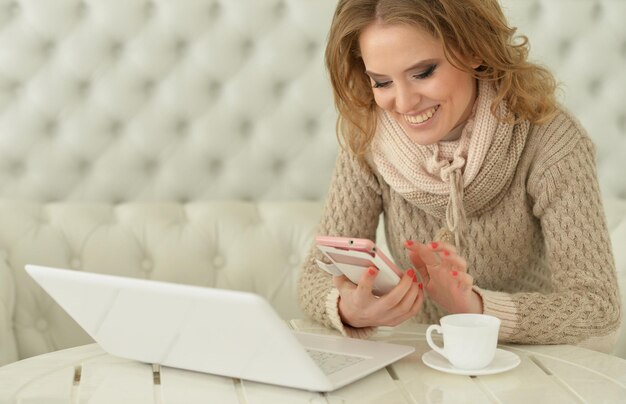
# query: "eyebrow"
(418, 65)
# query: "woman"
(487, 186)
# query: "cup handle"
(429, 339)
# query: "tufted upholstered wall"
(216, 99)
(155, 138)
(158, 100)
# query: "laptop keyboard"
(332, 362)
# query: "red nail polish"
(434, 245)
(408, 243)
(420, 285)
(371, 271)
(411, 273)
(454, 273)
(446, 253)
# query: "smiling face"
(414, 82)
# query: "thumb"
(341, 281)
(366, 283)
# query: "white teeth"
(422, 117)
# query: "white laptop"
(223, 332)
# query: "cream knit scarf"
(452, 180)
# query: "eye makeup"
(425, 74)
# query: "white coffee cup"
(469, 340)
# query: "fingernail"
(446, 253)
(434, 245)
(371, 271)
(408, 243)
(454, 273)
(411, 273)
(420, 285)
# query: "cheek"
(383, 99)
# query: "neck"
(455, 133)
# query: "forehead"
(397, 43)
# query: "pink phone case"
(352, 256)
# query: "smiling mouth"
(421, 118)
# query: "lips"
(421, 118)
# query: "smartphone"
(353, 256)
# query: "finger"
(366, 283)
(419, 265)
(428, 254)
(395, 296)
(466, 281)
(442, 245)
(453, 261)
(342, 283)
(414, 256)
(411, 309)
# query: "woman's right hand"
(359, 307)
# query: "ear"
(475, 63)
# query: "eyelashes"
(427, 73)
(424, 75)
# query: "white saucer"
(503, 361)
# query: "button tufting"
(597, 11)
(218, 261)
(594, 86)
(278, 166)
(311, 47)
(181, 126)
(148, 86)
(565, 47)
(535, 11)
(215, 9)
(83, 165)
(245, 128)
(279, 88)
(214, 88)
(81, 9)
(115, 127)
(47, 47)
(51, 127)
(310, 126)
(82, 87)
(181, 46)
(17, 168)
(621, 122)
(116, 49)
(280, 8)
(215, 165)
(14, 8)
(146, 265)
(246, 46)
(149, 9)
(150, 166)
(41, 324)
(14, 87)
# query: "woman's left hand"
(444, 275)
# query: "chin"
(421, 138)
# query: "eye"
(379, 84)
(427, 73)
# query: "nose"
(406, 99)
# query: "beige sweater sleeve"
(583, 304)
(353, 206)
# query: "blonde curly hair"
(468, 29)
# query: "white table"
(547, 374)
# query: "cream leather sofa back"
(192, 141)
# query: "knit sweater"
(540, 256)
